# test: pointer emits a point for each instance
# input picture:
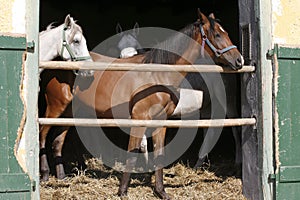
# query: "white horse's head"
(74, 45)
(65, 41)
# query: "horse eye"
(217, 35)
(76, 41)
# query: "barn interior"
(98, 20)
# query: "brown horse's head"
(216, 42)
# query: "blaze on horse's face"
(220, 40)
(74, 37)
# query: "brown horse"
(148, 93)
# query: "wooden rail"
(146, 123)
(140, 67)
(101, 66)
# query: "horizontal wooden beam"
(101, 66)
(147, 123)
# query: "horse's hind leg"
(158, 138)
(136, 134)
(56, 104)
(44, 167)
(57, 146)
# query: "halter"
(218, 52)
(67, 46)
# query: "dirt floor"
(181, 182)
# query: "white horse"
(212, 89)
(67, 42)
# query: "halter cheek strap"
(218, 52)
(65, 45)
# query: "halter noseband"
(218, 52)
(67, 46)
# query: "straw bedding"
(181, 182)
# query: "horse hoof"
(61, 176)
(122, 193)
(199, 163)
(44, 178)
(44, 175)
(162, 194)
(60, 172)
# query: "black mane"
(170, 50)
(212, 23)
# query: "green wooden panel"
(288, 107)
(15, 196)
(288, 191)
(288, 53)
(14, 183)
(12, 178)
(17, 43)
(289, 174)
(287, 103)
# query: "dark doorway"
(99, 18)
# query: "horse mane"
(168, 51)
(52, 26)
(212, 23)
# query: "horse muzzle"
(239, 62)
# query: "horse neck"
(190, 55)
(50, 43)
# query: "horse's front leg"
(158, 138)
(136, 134)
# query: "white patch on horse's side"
(221, 28)
(128, 52)
(189, 102)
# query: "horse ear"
(119, 29)
(211, 15)
(69, 21)
(136, 29)
(203, 19)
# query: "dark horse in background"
(144, 90)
